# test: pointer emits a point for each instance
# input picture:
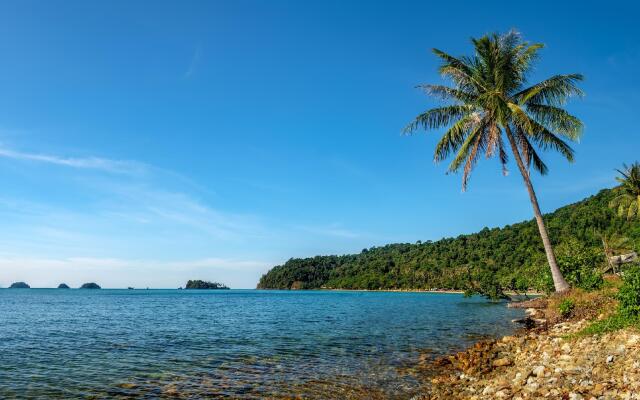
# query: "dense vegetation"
(63, 286)
(19, 285)
(627, 311)
(198, 284)
(627, 202)
(511, 257)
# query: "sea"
(234, 344)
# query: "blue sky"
(144, 144)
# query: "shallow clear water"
(58, 343)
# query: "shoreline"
(443, 291)
(446, 291)
(548, 361)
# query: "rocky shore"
(546, 362)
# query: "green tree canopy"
(627, 200)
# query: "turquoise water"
(57, 343)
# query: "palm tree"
(490, 100)
(627, 200)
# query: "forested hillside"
(512, 255)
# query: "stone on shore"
(544, 364)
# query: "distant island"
(19, 285)
(63, 286)
(90, 285)
(198, 284)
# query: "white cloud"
(129, 232)
(151, 205)
(157, 214)
(95, 163)
(195, 60)
(332, 230)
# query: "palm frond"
(453, 138)
(630, 179)
(460, 70)
(502, 156)
(521, 119)
(470, 162)
(530, 154)
(463, 151)
(526, 55)
(556, 119)
(539, 133)
(553, 91)
(545, 139)
(632, 210)
(627, 201)
(490, 98)
(469, 151)
(448, 93)
(453, 62)
(438, 117)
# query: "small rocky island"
(198, 284)
(90, 285)
(63, 286)
(19, 285)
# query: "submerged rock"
(19, 285)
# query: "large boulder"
(19, 285)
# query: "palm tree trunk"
(559, 283)
(608, 253)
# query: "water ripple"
(229, 344)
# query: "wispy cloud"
(122, 230)
(193, 65)
(356, 173)
(158, 212)
(95, 163)
(334, 229)
(159, 206)
(119, 264)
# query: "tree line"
(511, 257)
